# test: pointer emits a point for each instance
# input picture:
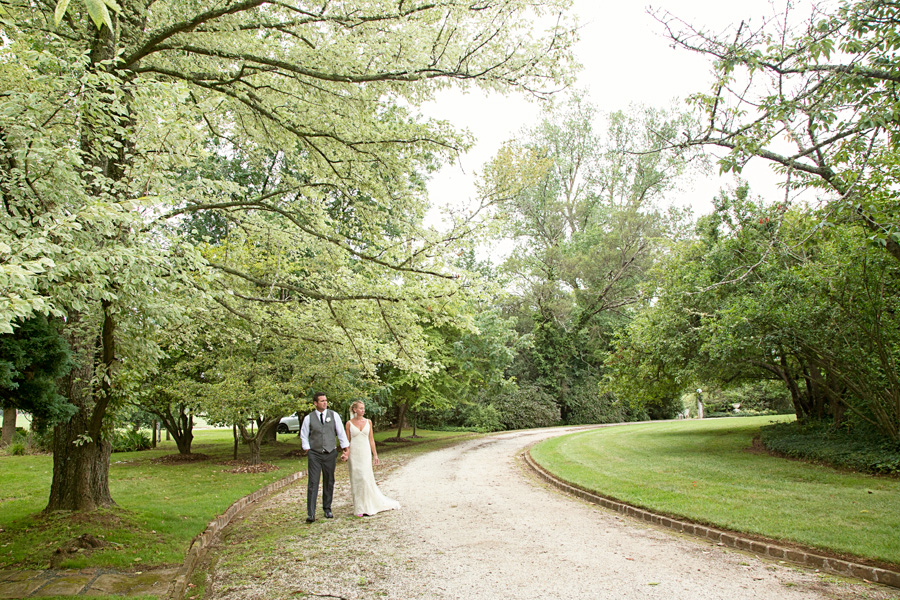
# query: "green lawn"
(703, 470)
(161, 507)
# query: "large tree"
(108, 115)
(757, 297)
(815, 96)
(585, 221)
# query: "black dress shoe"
(310, 519)
(328, 514)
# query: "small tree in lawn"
(172, 394)
(262, 379)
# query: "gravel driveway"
(476, 525)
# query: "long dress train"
(367, 498)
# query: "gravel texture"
(476, 525)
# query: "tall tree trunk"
(80, 454)
(155, 430)
(9, 427)
(234, 432)
(403, 408)
(80, 468)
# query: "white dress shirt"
(338, 426)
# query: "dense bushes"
(525, 407)
(482, 417)
(130, 441)
(859, 450)
(513, 407)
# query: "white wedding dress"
(367, 498)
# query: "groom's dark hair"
(317, 395)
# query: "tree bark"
(403, 408)
(9, 427)
(80, 468)
(254, 441)
(179, 425)
(183, 441)
(270, 436)
(80, 454)
(253, 445)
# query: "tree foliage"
(585, 220)
(817, 98)
(32, 358)
(290, 120)
(758, 297)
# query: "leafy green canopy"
(296, 124)
(581, 202)
(817, 98)
(112, 135)
(757, 297)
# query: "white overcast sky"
(626, 59)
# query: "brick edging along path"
(205, 539)
(807, 558)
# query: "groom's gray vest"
(322, 437)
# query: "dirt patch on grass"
(177, 459)
(242, 466)
(83, 543)
(106, 518)
(757, 447)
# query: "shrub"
(525, 407)
(860, 449)
(483, 417)
(589, 408)
(16, 449)
(21, 435)
(130, 441)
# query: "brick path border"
(200, 543)
(731, 539)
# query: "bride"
(367, 498)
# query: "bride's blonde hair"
(353, 408)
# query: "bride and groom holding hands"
(319, 435)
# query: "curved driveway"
(480, 526)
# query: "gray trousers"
(320, 464)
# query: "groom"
(317, 436)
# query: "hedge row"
(861, 451)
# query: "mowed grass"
(160, 506)
(704, 470)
